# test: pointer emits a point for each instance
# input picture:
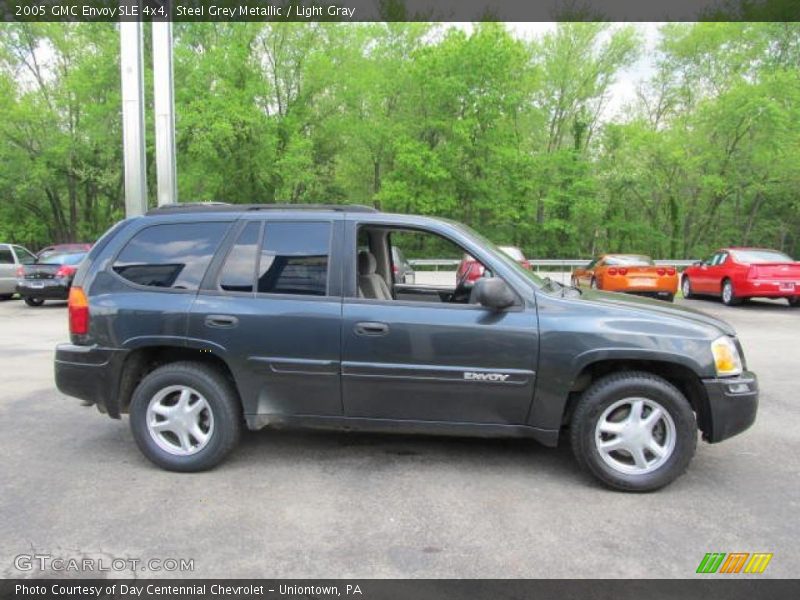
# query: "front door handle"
(221, 321)
(371, 328)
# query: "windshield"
(63, 259)
(540, 282)
(760, 256)
(629, 260)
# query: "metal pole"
(163, 88)
(131, 66)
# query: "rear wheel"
(794, 301)
(185, 417)
(33, 301)
(686, 287)
(729, 294)
(668, 297)
(6, 297)
(634, 431)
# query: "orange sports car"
(631, 273)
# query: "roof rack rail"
(186, 207)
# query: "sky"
(623, 91)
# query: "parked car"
(63, 249)
(12, 258)
(49, 278)
(737, 274)
(197, 321)
(471, 270)
(402, 269)
(629, 273)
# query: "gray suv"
(199, 320)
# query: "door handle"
(371, 328)
(221, 321)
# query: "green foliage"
(510, 136)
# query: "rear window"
(63, 259)
(173, 256)
(294, 258)
(629, 260)
(760, 256)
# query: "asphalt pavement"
(300, 504)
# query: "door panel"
(435, 362)
(284, 350)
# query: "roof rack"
(188, 207)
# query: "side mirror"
(493, 293)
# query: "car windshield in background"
(760, 256)
(71, 259)
(629, 260)
(513, 252)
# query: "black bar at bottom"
(704, 587)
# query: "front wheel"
(686, 287)
(33, 301)
(185, 417)
(634, 431)
(729, 294)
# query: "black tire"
(686, 288)
(4, 297)
(668, 297)
(220, 396)
(794, 301)
(33, 301)
(729, 299)
(609, 390)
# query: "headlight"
(726, 356)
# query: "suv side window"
(294, 258)
(172, 256)
(239, 270)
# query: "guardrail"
(536, 264)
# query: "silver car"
(11, 258)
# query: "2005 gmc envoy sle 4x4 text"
(199, 319)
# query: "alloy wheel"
(635, 436)
(180, 421)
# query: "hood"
(656, 307)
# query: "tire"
(794, 301)
(729, 294)
(220, 418)
(610, 400)
(668, 297)
(4, 297)
(33, 301)
(686, 288)
(593, 284)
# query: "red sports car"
(736, 274)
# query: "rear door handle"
(371, 328)
(221, 321)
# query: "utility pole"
(132, 75)
(164, 95)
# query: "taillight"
(623, 271)
(21, 272)
(526, 264)
(612, 271)
(671, 271)
(65, 271)
(78, 308)
(661, 272)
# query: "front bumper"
(732, 404)
(51, 289)
(90, 373)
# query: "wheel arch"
(143, 359)
(681, 375)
